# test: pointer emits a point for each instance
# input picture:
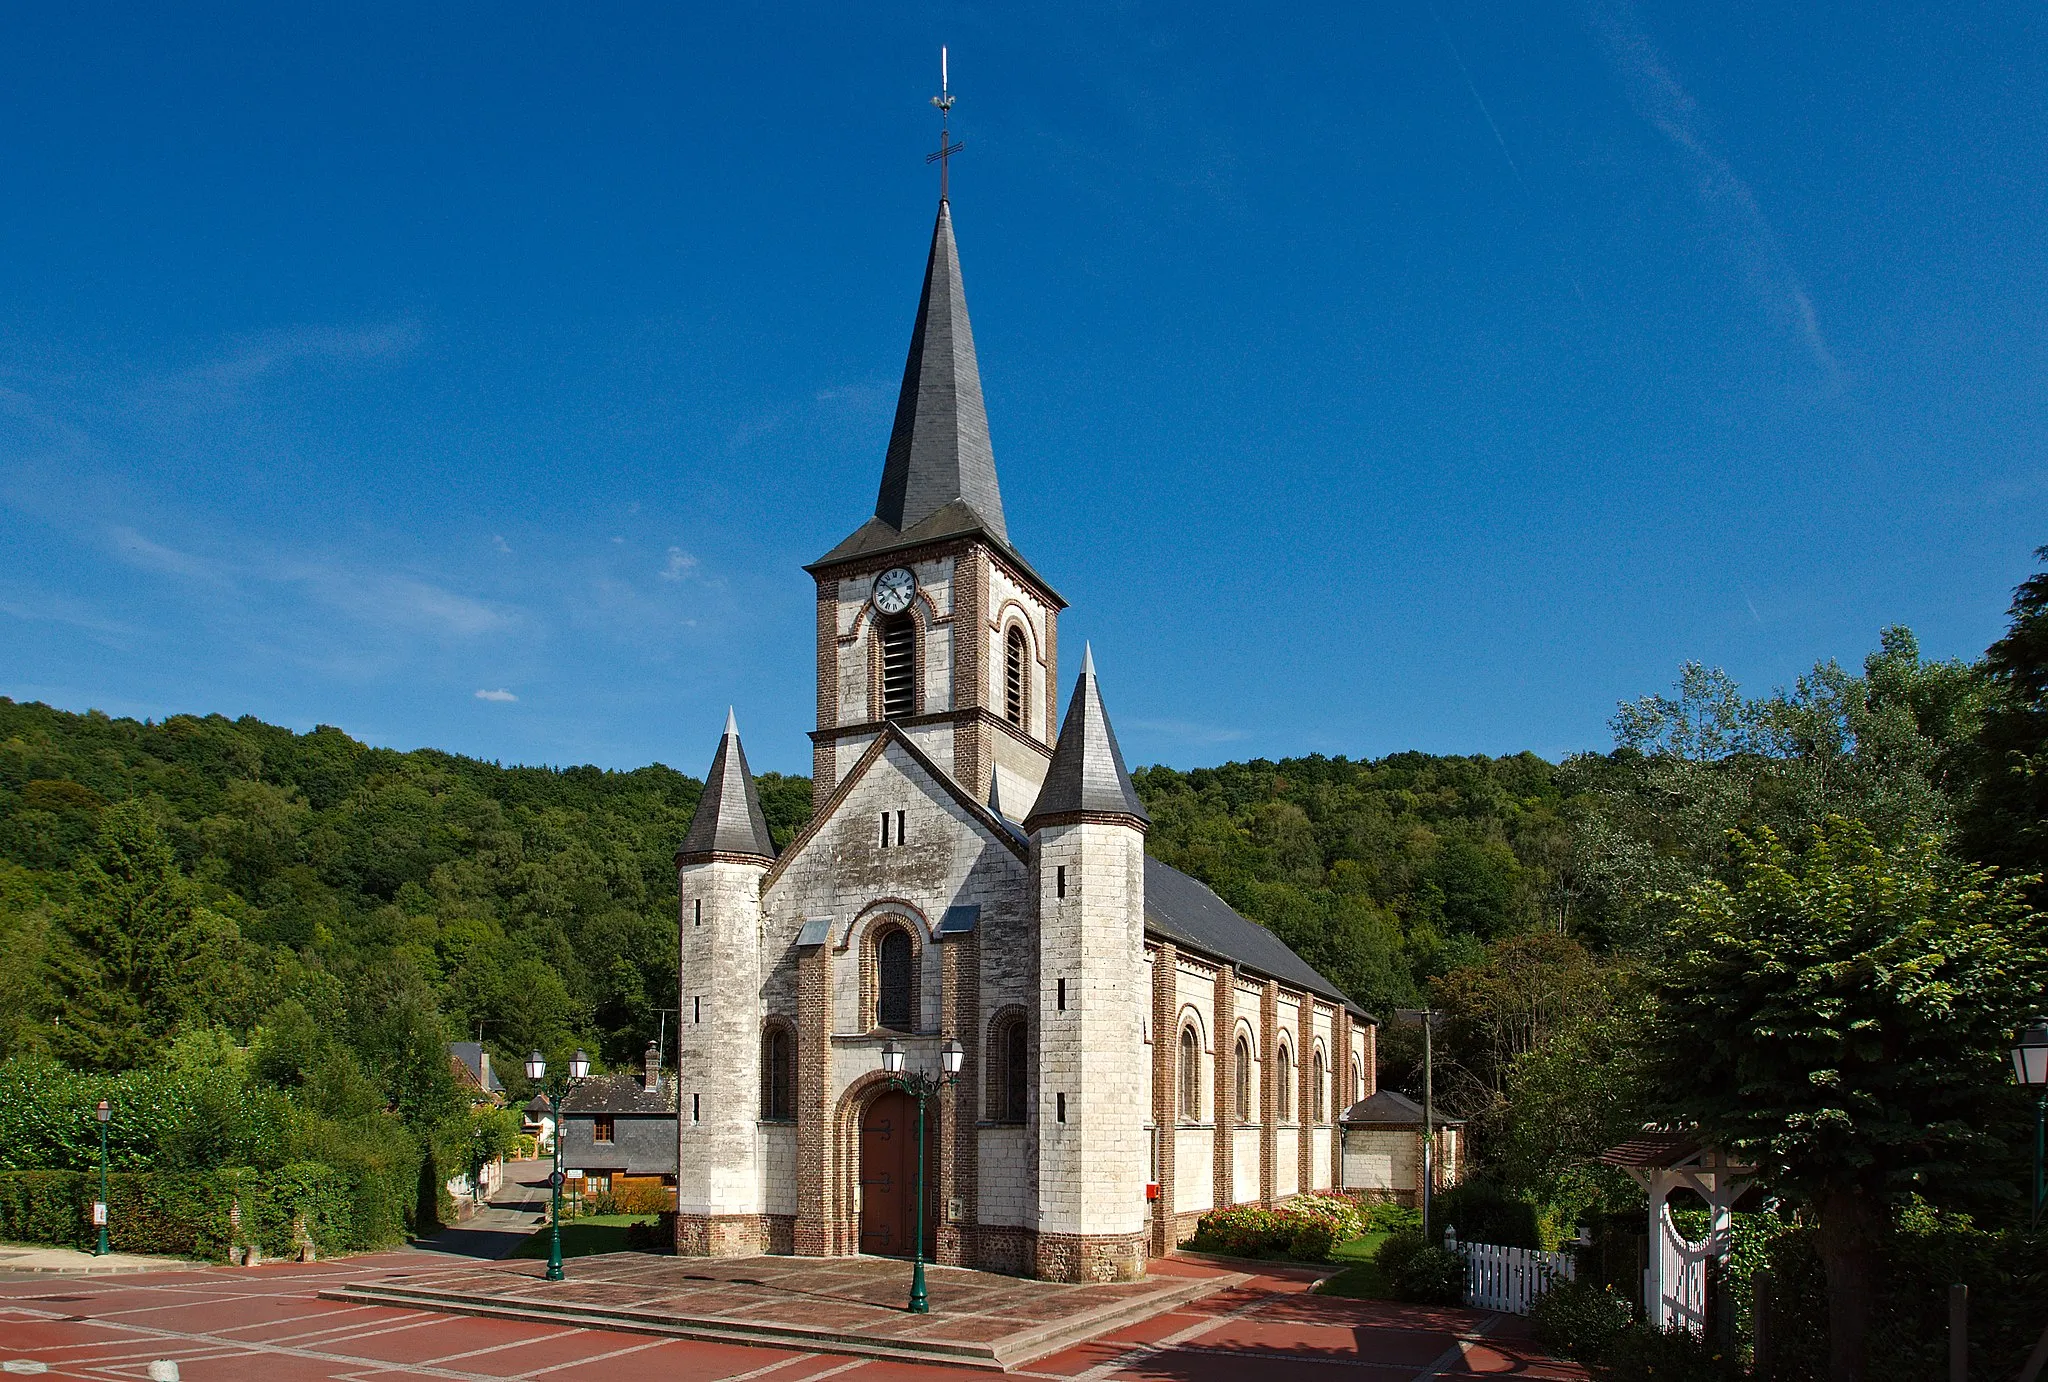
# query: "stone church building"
(1135, 1051)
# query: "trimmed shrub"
(1483, 1212)
(46, 1207)
(1580, 1320)
(1431, 1276)
(1638, 1354)
(1304, 1229)
(1385, 1216)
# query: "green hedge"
(342, 1209)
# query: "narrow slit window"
(1016, 677)
(899, 827)
(697, 1009)
(1063, 995)
(1059, 880)
(899, 668)
(777, 1074)
(700, 911)
(885, 830)
(696, 1108)
(1062, 1102)
(1016, 1071)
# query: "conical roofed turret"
(729, 822)
(1086, 776)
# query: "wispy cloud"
(680, 564)
(501, 695)
(1660, 98)
(498, 541)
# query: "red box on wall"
(1152, 1190)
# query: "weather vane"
(944, 101)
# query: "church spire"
(729, 821)
(1086, 776)
(939, 451)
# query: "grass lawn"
(1361, 1275)
(585, 1237)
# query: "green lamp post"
(103, 1113)
(536, 1071)
(2030, 1064)
(921, 1087)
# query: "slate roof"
(939, 473)
(1087, 770)
(471, 1054)
(1182, 910)
(624, 1093)
(729, 818)
(1389, 1107)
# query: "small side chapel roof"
(729, 819)
(1389, 1108)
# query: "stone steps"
(1000, 1355)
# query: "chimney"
(653, 1067)
(483, 1068)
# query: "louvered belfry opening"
(899, 667)
(1013, 677)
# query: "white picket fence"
(1509, 1279)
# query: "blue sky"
(1430, 375)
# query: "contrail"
(1528, 198)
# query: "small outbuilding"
(620, 1131)
(1383, 1139)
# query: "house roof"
(1183, 910)
(623, 1093)
(729, 819)
(1086, 774)
(1390, 1107)
(470, 1055)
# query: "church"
(1131, 1051)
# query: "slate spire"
(1086, 776)
(729, 822)
(939, 451)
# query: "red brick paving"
(264, 1324)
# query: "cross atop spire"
(944, 102)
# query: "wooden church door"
(888, 1175)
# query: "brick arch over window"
(778, 1070)
(1007, 1060)
(891, 975)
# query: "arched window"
(1315, 1089)
(778, 1074)
(1016, 1071)
(893, 980)
(1016, 677)
(1357, 1085)
(1283, 1085)
(1243, 1061)
(1190, 1075)
(899, 667)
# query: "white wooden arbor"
(1661, 1161)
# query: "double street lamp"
(104, 1112)
(921, 1087)
(1426, 1018)
(2030, 1064)
(536, 1071)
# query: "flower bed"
(1304, 1229)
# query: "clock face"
(893, 590)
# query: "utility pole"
(1427, 1019)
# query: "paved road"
(515, 1211)
(265, 1324)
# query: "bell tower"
(927, 616)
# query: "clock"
(894, 589)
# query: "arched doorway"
(888, 1175)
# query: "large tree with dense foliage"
(1840, 1013)
(2008, 821)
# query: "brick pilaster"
(960, 1142)
(1224, 1109)
(1269, 1092)
(1165, 1091)
(1304, 1104)
(814, 1149)
(1340, 1090)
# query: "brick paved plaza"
(268, 1324)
